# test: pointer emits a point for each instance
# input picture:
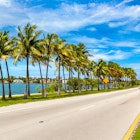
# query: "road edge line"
(132, 127)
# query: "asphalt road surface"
(105, 116)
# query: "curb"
(132, 128)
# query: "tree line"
(29, 45)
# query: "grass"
(16, 99)
(136, 135)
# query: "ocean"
(19, 88)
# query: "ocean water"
(19, 88)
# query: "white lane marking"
(87, 107)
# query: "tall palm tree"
(66, 63)
(80, 54)
(49, 43)
(115, 72)
(40, 60)
(60, 52)
(88, 72)
(3, 90)
(70, 60)
(90, 68)
(130, 75)
(100, 71)
(26, 43)
(5, 50)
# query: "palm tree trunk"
(79, 86)
(27, 92)
(118, 83)
(59, 77)
(69, 79)
(43, 93)
(108, 84)
(91, 81)
(47, 74)
(104, 85)
(98, 84)
(9, 83)
(64, 79)
(3, 90)
(86, 82)
(72, 86)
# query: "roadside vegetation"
(136, 135)
(17, 99)
(73, 58)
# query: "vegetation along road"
(105, 116)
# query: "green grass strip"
(136, 135)
(16, 99)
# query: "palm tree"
(88, 72)
(69, 63)
(115, 72)
(77, 62)
(49, 43)
(81, 54)
(90, 68)
(26, 43)
(3, 90)
(130, 75)
(100, 71)
(60, 52)
(5, 50)
(39, 60)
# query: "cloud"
(5, 3)
(117, 24)
(123, 2)
(125, 44)
(109, 55)
(137, 50)
(137, 28)
(92, 42)
(67, 17)
(91, 29)
(105, 42)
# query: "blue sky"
(109, 29)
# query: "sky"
(109, 29)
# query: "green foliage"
(38, 89)
(73, 83)
(137, 82)
(52, 86)
(136, 135)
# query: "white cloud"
(92, 29)
(116, 24)
(125, 44)
(105, 42)
(137, 50)
(86, 40)
(123, 2)
(98, 43)
(110, 56)
(5, 3)
(137, 28)
(67, 17)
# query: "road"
(105, 116)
